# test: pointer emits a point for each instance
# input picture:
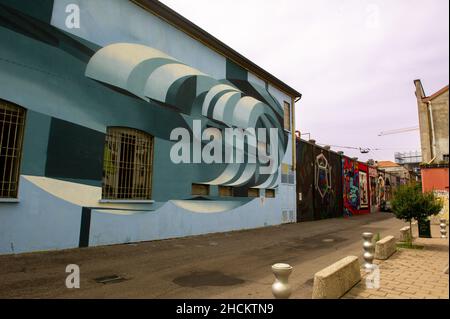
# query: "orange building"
(435, 178)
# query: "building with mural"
(112, 132)
(330, 184)
(319, 182)
(401, 175)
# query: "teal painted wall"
(34, 155)
(39, 9)
(236, 72)
(52, 84)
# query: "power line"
(362, 149)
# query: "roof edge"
(436, 94)
(194, 31)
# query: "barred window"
(12, 119)
(287, 116)
(127, 164)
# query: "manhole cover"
(328, 240)
(207, 278)
(111, 279)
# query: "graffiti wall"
(319, 180)
(305, 181)
(331, 185)
(380, 188)
(327, 184)
(373, 181)
(389, 184)
(355, 187)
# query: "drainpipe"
(433, 137)
(294, 140)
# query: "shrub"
(409, 202)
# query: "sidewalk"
(411, 273)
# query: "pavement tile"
(417, 274)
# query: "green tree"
(409, 202)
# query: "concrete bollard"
(281, 288)
(369, 250)
(443, 225)
(335, 280)
(385, 247)
(405, 234)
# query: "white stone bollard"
(369, 250)
(281, 288)
(405, 234)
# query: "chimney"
(340, 153)
(327, 147)
(420, 93)
(312, 141)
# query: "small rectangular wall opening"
(253, 192)
(226, 191)
(270, 193)
(200, 189)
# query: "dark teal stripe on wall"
(74, 152)
(85, 227)
(39, 9)
(235, 72)
(34, 155)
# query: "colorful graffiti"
(322, 175)
(373, 182)
(363, 190)
(319, 181)
(380, 189)
(355, 187)
(330, 184)
(350, 179)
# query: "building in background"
(433, 124)
(411, 161)
(401, 174)
(88, 105)
(434, 130)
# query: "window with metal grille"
(12, 119)
(287, 116)
(127, 164)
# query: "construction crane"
(400, 130)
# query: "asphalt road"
(225, 265)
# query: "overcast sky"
(354, 61)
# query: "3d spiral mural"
(154, 76)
